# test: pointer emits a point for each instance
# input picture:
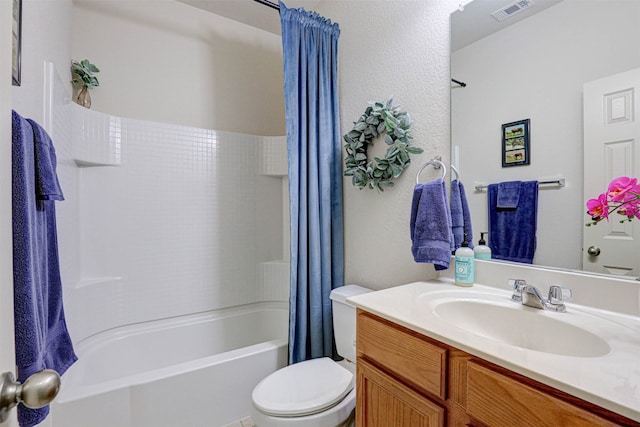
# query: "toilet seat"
(303, 388)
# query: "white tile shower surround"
(57, 122)
(162, 220)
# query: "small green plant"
(83, 71)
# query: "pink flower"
(622, 197)
(623, 188)
(629, 209)
(598, 208)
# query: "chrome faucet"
(530, 296)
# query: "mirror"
(533, 65)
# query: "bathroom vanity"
(417, 367)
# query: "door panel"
(611, 135)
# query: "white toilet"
(317, 392)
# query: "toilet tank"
(344, 319)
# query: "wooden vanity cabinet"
(405, 379)
(387, 402)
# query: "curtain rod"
(268, 4)
(463, 84)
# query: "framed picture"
(17, 42)
(516, 139)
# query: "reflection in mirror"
(534, 65)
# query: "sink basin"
(521, 326)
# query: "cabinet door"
(384, 402)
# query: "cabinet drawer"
(405, 353)
(493, 398)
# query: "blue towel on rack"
(508, 194)
(512, 230)
(431, 236)
(460, 215)
(42, 340)
(466, 213)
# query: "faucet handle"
(558, 294)
(518, 286)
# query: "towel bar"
(436, 164)
(453, 168)
(559, 182)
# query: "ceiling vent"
(511, 9)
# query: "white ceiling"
(472, 24)
(475, 21)
(250, 12)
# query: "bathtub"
(191, 371)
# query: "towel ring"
(453, 168)
(437, 164)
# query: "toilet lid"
(303, 388)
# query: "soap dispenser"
(464, 265)
(481, 250)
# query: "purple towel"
(512, 231)
(47, 185)
(42, 340)
(508, 195)
(431, 236)
(460, 215)
(466, 213)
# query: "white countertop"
(611, 381)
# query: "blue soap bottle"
(464, 265)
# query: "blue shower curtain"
(310, 51)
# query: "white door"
(611, 135)
(7, 352)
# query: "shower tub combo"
(190, 371)
(193, 368)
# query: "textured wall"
(169, 62)
(397, 48)
(387, 48)
(400, 49)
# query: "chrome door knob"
(593, 251)
(37, 391)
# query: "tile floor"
(245, 422)
(248, 422)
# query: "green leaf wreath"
(377, 119)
